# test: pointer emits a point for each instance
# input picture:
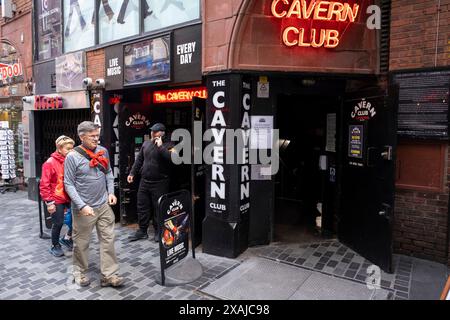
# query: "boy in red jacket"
(52, 189)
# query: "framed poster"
(70, 72)
(147, 61)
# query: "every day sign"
(187, 50)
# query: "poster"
(356, 141)
(118, 19)
(79, 24)
(49, 38)
(331, 133)
(262, 132)
(70, 72)
(174, 221)
(160, 14)
(147, 61)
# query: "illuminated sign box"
(178, 95)
(48, 103)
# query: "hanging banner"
(70, 72)
(49, 37)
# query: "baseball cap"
(158, 127)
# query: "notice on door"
(262, 132)
(355, 144)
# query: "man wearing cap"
(154, 164)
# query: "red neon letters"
(313, 10)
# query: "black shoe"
(156, 237)
(138, 235)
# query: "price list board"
(423, 104)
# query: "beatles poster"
(79, 24)
(118, 19)
(174, 214)
(160, 14)
(147, 61)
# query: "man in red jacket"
(52, 189)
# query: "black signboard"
(174, 210)
(187, 49)
(147, 61)
(356, 141)
(49, 37)
(423, 104)
(114, 68)
(46, 74)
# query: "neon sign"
(313, 10)
(178, 95)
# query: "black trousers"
(147, 201)
(57, 222)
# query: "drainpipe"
(437, 32)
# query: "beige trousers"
(81, 234)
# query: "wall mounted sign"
(187, 50)
(423, 104)
(114, 68)
(329, 14)
(147, 61)
(49, 36)
(11, 70)
(70, 72)
(47, 103)
(179, 95)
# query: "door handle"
(385, 211)
(387, 153)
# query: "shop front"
(149, 81)
(305, 79)
(59, 104)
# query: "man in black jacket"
(154, 164)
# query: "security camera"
(27, 99)
(87, 82)
(100, 82)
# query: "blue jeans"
(68, 221)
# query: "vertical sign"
(244, 190)
(217, 117)
(96, 110)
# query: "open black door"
(368, 174)
(198, 171)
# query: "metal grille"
(385, 35)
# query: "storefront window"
(49, 42)
(160, 14)
(79, 24)
(118, 19)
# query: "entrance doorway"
(304, 189)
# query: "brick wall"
(13, 29)
(421, 225)
(23, 7)
(95, 61)
(413, 34)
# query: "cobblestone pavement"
(29, 271)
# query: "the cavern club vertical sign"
(315, 23)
